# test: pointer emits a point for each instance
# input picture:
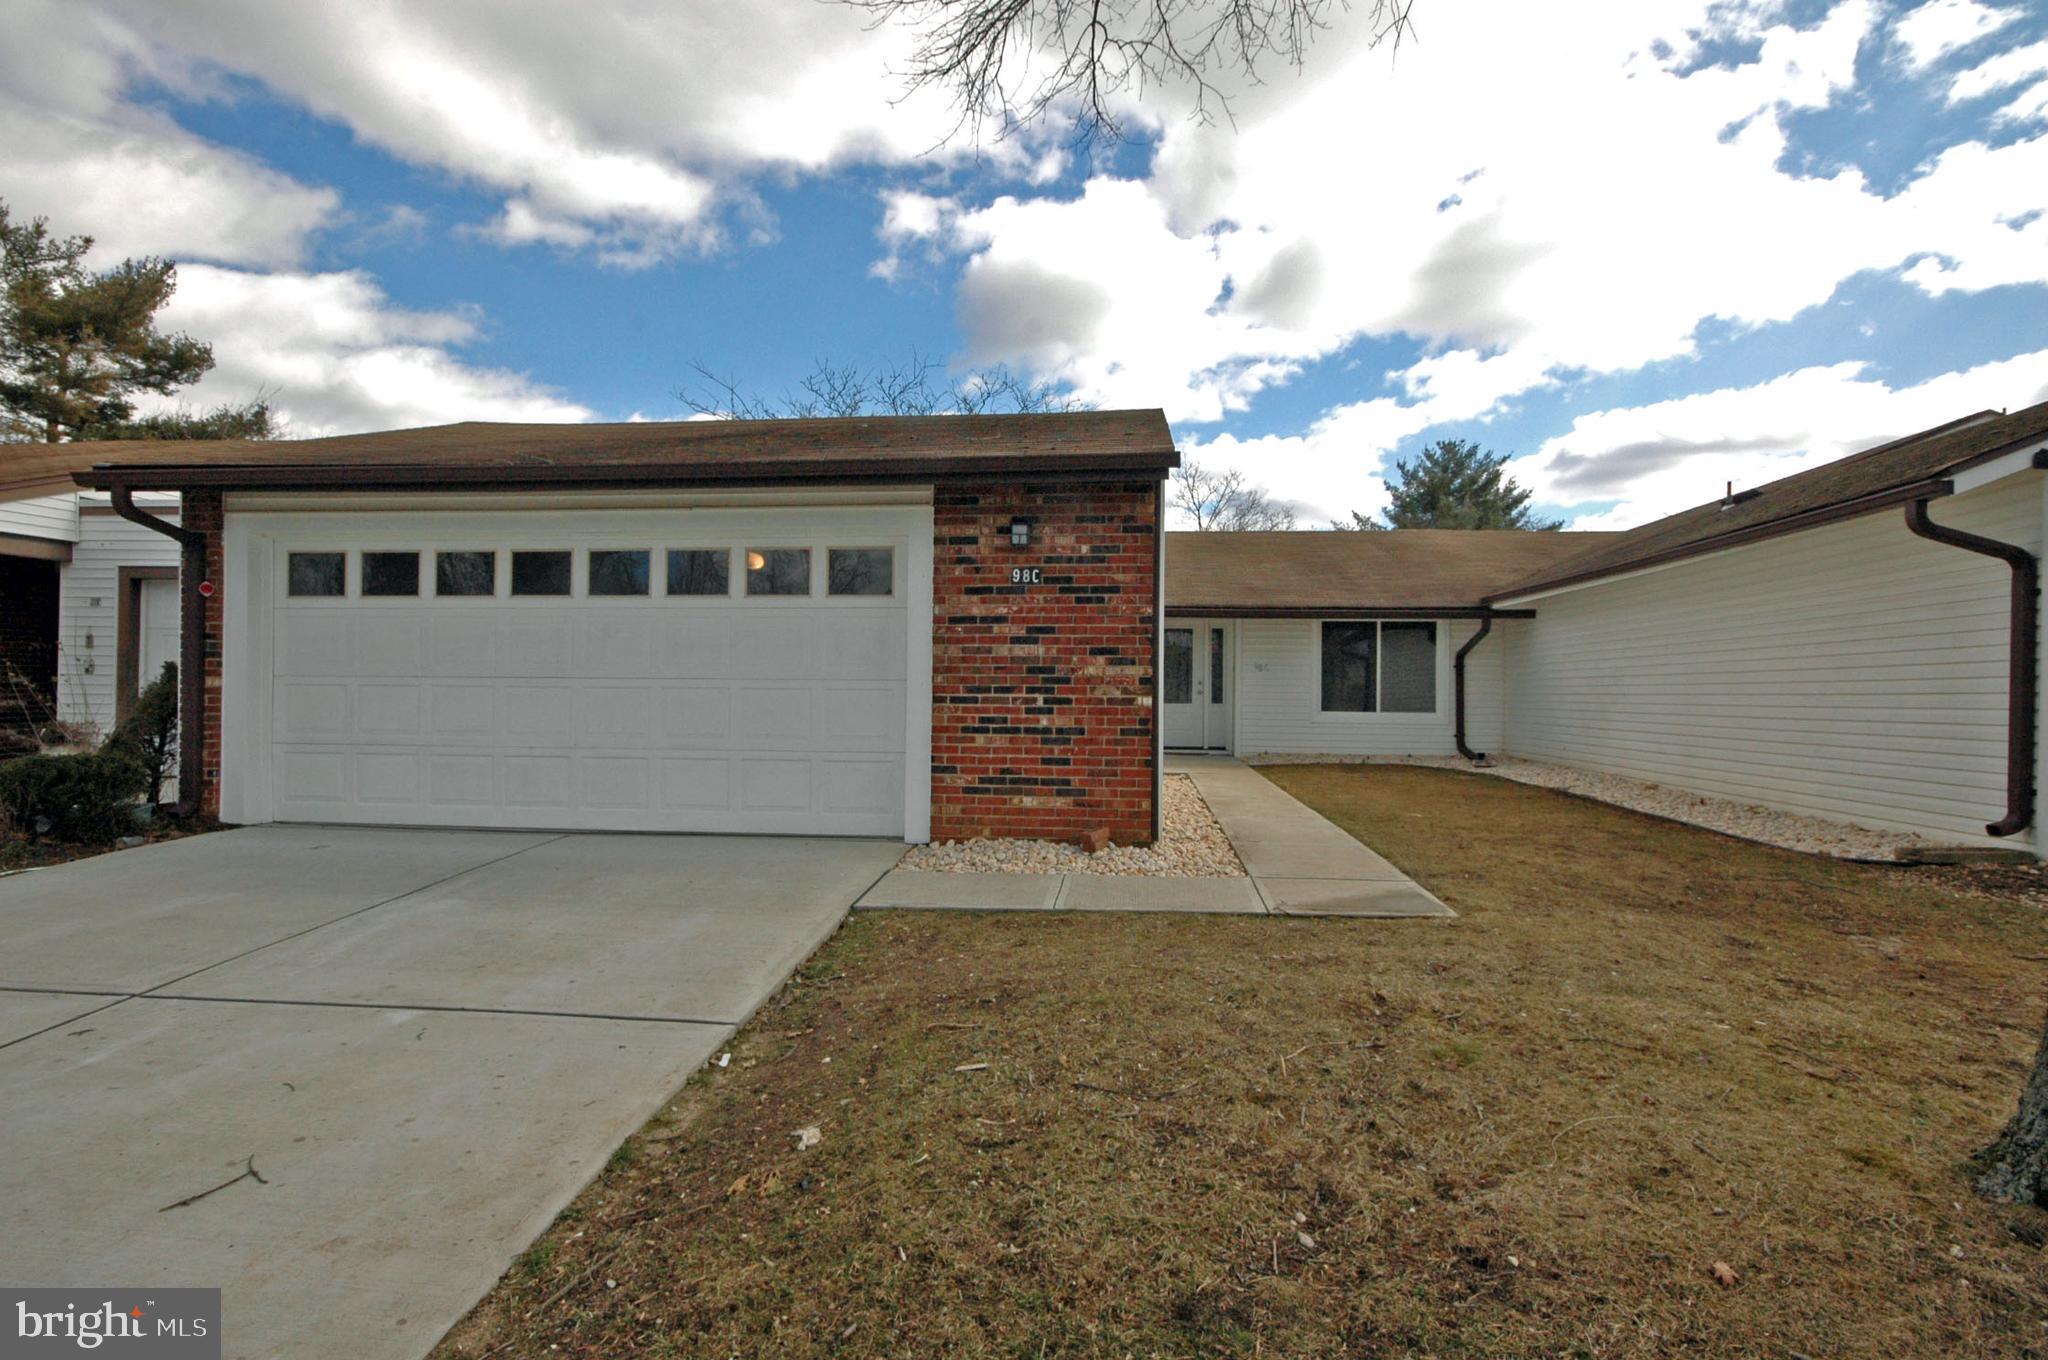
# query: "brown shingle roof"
(640, 453)
(1331, 571)
(1886, 475)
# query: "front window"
(1379, 667)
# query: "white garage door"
(710, 671)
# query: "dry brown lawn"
(1641, 1050)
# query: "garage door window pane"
(1407, 668)
(860, 571)
(465, 573)
(778, 571)
(619, 572)
(316, 573)
(391, 573)
(1349, 667)
(540, 573)
(699, 571)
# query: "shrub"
(85, 798)
(149, 734)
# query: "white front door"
(1195, 682)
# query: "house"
(960, 626)
(92, 605)
(1858, 641)
(932, 627)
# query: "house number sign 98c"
(1027, 576)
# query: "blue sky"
(1679, 244)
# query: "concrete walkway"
(1302, 863)
(1299, 862)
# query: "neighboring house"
(1339, 643)
(91, 605)
(1799, 645)
(942, 626)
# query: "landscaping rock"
(1191, 845)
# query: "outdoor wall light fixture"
(1020, 533)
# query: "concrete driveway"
(426, 1042)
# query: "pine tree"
(76, 344)
(1454, 484)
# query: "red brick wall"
(1042, 714)
(28, 642)
(201, 511)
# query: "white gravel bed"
(1191, 845)
(1787, 830)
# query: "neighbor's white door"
(1195, 681)
(721, 672)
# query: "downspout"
(191, 646)
(2023, 683)
(1458, 688)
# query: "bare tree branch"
(917, 386)
(1225, 501)
(1010, 62)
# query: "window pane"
(860, 571)
(391, 573)
(316, 573)
(465, 573)
(619, 572)
(1348, 667)
(540, 573)
(778, 571)
(699, 571)
(1180, 665)
(1215, 665)
(1408, 668)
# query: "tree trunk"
(2016, 1166)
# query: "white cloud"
(335, 355)
(2000, 72)
(1608, 195)
(1670, 455)
(1934, 30)
(77, 154)
(622, 128)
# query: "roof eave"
(1147, 466)
(1351, 610)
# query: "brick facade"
(28, 642)
(1042, 712)
(202, 512)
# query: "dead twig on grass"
(249, 1173)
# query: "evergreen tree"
(1454, 484)
(76, 344)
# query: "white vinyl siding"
(1279, 697)
(1853, 671)
(52, 517)
(88, 609)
